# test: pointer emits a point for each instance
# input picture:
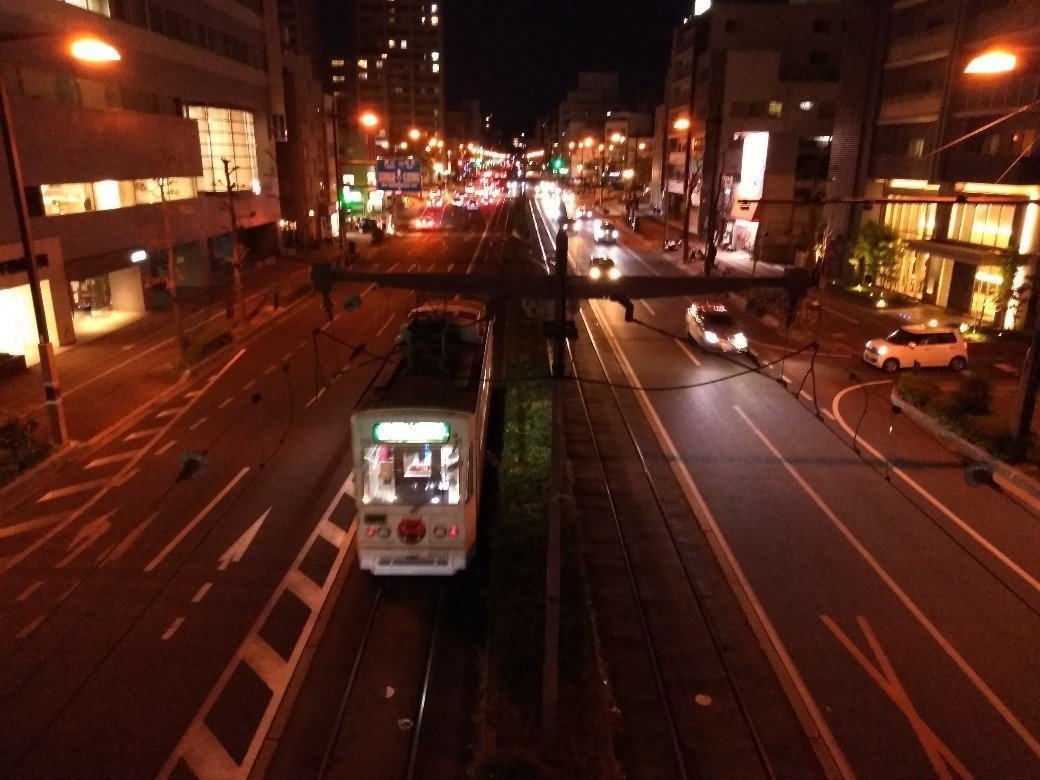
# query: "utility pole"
(1030, 385)
(236, 257)
(338, 173)
(51, 386)
(687, 184)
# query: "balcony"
(998, 97)
(910, 107)
(899, 166)
(914, 47)
(988, 168)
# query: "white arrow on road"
(87, 535)
(235, 552)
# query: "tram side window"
(413, 474)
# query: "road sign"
(400, 174)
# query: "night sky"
(519, 57)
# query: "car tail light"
(370, 531)
(453, 531)
(411, 530)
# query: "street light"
(414, 134)
(370, 122)
(992, 62)
(86, 50)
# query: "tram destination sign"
(411, 432)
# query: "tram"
(418, 437)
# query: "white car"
(918, 345)
(713, 327)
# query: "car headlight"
(882, 350)
(614, 234)
(711, 337)
(594, 273)
(614, 273)
(738, 340)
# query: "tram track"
(666, 731)
(367, 706)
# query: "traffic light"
(556, 164)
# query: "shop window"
(67, 199)
(225, 133)
(984, 224)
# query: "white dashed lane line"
(198, 423)
(269, 369)
(98, 462)
(172, 629)
(226, 402)
(201, 594)
(162, 450)
(142, 434)
(30, 590)
(249, 384)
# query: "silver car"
(713, 327)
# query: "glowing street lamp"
(992, 62)
(414, 134)
(682, 123)
(93, 50)
(369, 120)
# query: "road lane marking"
(98, 462)
(201, 593)
(269, 369)
(225, 403)
(939, 755)
(30, 525)
(120, 549)
(31, 627)
(86, 537)
(390, 270)
(386, 324)
(804, 394)
(995, 701)
(649, 308)
(234, 553)
(318, 395)
(826, 747)
(367, 290)
(962, 524)
(249, 384)
(143, 434)
(198, 423)
(72, 489)
(193, 393)
(25, 594)
(688, 351)
(198, 748)
(196, 520)
(14, 560)
(167, 413)
(412, 267)
(162, 450)
(286, 357)
(172, 629)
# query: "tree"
(875, 250)
(236, 250)
(1009, 264)
(160, 189)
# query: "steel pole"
(51, 386)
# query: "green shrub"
(20, 447)
(918, 389)
(972, 395)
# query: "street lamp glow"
(414, 134)
(628, 174)
(991, 62)
(682, 123)
(369, 120)
(589, 141)
(94, 50)
(617, 138)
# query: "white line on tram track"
(386, 324)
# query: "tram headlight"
(711, 337)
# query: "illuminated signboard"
(401, 432)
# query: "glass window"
(61, 199)
(97, 6)
(411, 474)
(107, 196)
(225, 134)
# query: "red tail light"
(453, 531)
(370, 531)
(411, 530)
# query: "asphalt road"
(906, 619)
(151, 625)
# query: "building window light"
(433, 8)
(776, 108)
(362, 64)
(434, 21)
(392, 44)
(435, 56)
(404, 44)
(436, 67)
(339, 63)
(806, 105)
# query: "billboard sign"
(400, 174)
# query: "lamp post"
(995, 62)
(370, 122)
(86, 50)
(681, 124)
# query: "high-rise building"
(960, 136)
(400, 68)
(123, 159)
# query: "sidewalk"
(106, 378)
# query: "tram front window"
(411, 474)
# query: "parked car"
(603, 268)
(711, 326)
(604, 233)
(918, 345)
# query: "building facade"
(969, 143)
(121, 160)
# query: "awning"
(961, 253)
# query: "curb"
(1006, 476)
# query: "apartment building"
(759, 81)
(400, 69)
(962, 132)
(122, 159)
